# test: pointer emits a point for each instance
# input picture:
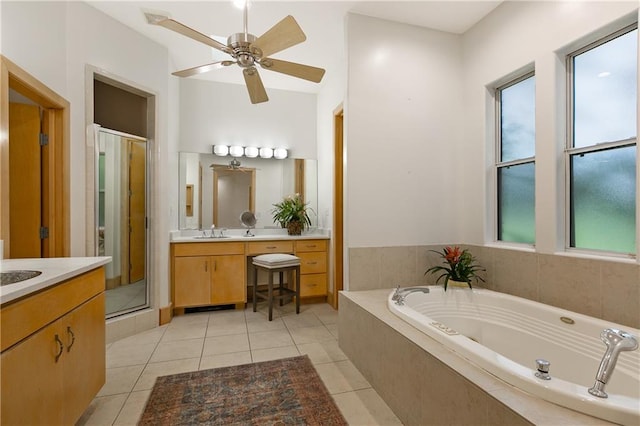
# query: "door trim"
(338, 204)
(56, 192)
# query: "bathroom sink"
(12, 277)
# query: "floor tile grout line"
(139, 375)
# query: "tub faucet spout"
(616, 341)
(401, 293)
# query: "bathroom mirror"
(221, 190)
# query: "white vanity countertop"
(231, 236)
(54, 270)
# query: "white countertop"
(54, 270)
(191, 236)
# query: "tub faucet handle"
(543, 369)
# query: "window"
(602, 144)
(515, 163)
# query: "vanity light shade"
(266, 152)
(280, 153)
(236, 151)
(251, 152)
(220, 150)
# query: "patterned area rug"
(282, 392)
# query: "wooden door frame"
(338, 205)
(56, 193)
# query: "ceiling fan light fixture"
(280, 153)
(266, 152)
(251, 152)
(220, 150)
(236, 151)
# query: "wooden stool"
(279, 263)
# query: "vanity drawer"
(313, 285)
(311, 245)
(207, 249)
(266, 247)
(313, 262)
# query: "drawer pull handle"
(60, 347)
(73, 338)
(312, 263)
(272, 247)
(311, 246)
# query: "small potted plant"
(291, 213)
(460, 267)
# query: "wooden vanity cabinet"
(51, 375)
(313, 267)
(208, 274)
(215, 273)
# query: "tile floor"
(204, 340)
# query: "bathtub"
(505, 335)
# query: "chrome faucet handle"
(543, 369)
(398, 297)
(222, 232)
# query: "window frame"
(570, 150)
(499, 164)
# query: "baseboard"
(166, 314)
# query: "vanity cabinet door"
(32, 379)
(192, 286)
(228, 283)
(84, 356)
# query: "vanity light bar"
(250, 151)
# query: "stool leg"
(255, 288)
(270, 295)
(297, 289)
(281, 275)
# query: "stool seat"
(276, 260)
(280, 263)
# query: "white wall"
(513, 36)
(54, 42)
(34, 38)
(404, 109)
(219, 113)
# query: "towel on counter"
(276, 260)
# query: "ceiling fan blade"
(166, 22)
(202, 68)
(282, 35)
(305, 72)
(254, 85)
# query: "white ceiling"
(322, 22)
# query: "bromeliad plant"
(291, 213)
(460, 265)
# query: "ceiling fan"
(247, 50)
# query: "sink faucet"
(401, 293)
(616, 341)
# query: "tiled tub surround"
(425, 383)
(605, 289)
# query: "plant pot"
(460, 284)
(294, 228)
